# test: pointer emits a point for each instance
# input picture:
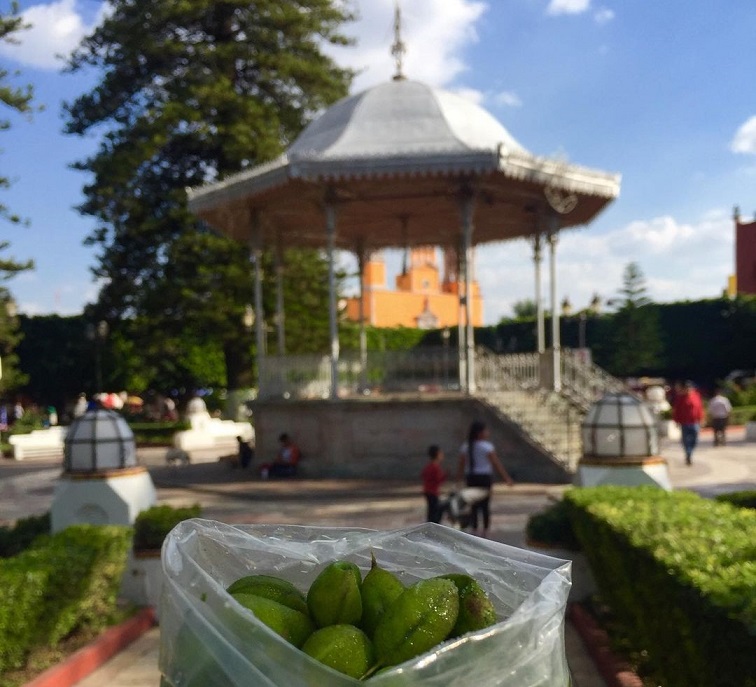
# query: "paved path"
(236, 496)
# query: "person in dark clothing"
(245, 454)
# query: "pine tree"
(190, 92)
(637, 344)
(18, 99)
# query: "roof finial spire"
(398, 48)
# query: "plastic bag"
(209, 640)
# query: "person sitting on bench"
(285, 464)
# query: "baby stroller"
(458, 504)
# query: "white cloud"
(56, 29)
(507, 99)
(603, 15)
(471, 94)
(435, 33)
(568, 7)
(668, 252)
(745, 138)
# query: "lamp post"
(12, 310)
(581, 330)
(445, 334)
(97, 334)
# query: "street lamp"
(97, 334)
(248, 318)
(581, 329)
(445, 334)
(566, 307)
(12, 310)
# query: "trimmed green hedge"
(742, 414)
(153, 524)
(552, 527)
(13, 540)
(64, 582)
(741, 499)
(679, 572)
(156, 433)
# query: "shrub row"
(551, 527)
(741, 499)
(153, 524)
(14, 540)
(156, 433)
(742, 414)
(62, 583)
(679, 572)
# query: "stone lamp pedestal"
(101, 482)
(621, 445)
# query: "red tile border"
(614, 671)
(87, 659)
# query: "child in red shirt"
(433, 475)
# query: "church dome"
(401, 118)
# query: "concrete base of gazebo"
(628, 472)
(388, 438)
(113, 497)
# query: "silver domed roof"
(401, 118)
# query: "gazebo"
(404, 164)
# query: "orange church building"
(422, 298)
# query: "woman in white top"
(478, 461)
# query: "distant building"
(422, 298)
(744, 280)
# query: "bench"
(38, 443)
(212, 433)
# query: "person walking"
(719, 414)
(478, 462)
(433, 475)
(687, 411)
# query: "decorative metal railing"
(507, 372)
(583, 382)
(518, 385)
(309, 376)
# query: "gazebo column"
(256, 254)
(280, 312)
(468, 206)
(556, 346)
(540, 318)
(330, 215)
(361, 262)
(461, 332)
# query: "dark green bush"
(742, 414)
(741, 499)
(679, 572)
(30, 420)
(15, 539)
(153, 525)
(156, 433)
(552, 527)
(64, 582)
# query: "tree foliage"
(525, 310)
(190, 92)
(17, 99)
(636, 343)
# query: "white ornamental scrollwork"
(561, 201)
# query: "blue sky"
(661, 92)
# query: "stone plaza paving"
(236, 496)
